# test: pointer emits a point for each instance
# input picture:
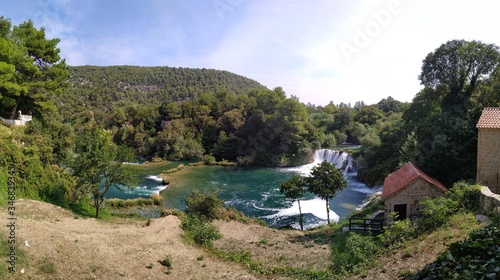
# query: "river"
(255, 191)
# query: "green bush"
(209, 160)
(435, 212)
(467, 196)
(200, 231)
(478, 257)
(397, 234)
(167, 261)
(358, 252)
(206, 206)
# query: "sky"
(318, 51)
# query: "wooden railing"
(358, 224)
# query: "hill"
(103, 87)
(53, 243)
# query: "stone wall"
(21, 121)
(488, 158)
(490, 202)
(410, 195)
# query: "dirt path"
(63, 247)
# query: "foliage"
(206, 206)
(294, 189)
(31, 69)
(468, 196)
(358, 251)
(325, 180)
(35, 176)
(397, 234)
(444, 114)
(153, 200)
(255, 266)
(98, 166)
(201, 231)
(475, 258)
(435, 212)
(167, 261)
(231, 214)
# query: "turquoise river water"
(255, 191)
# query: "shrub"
(200, 230)
(435, 212)
(157, 199)
(467, 196)
(395, 236)
(154, 199)
(358, 252)
(209, 160)
(204, 205)
(167, 261)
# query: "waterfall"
(334, 157)
(338, 159)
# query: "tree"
(294, 190)
(98, 165)
(459, 66)
(39, 70)
(325, 180)
(444, 114)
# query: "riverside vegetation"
(217, 116)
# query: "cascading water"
(334, 157)
(355, 189)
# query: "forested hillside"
(182, 113)
(104, 88)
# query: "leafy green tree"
(39, 70)
(98, 165)
(294, 189)
(444, 114)
(325, 180)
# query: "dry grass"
(419, 252)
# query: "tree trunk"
(301, 221)
(96, 204)
(14, 111)
(327, 211)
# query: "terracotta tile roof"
(490, 118)
(405, 175)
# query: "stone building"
(405, 188)
(488, 149)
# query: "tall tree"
(39, 70)
(98, 165)
(325, 180)
(444, 114)
(294, 189)
(459, 66)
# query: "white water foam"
(154, 178)
(160, 188)
(331, 156)
(315, 206)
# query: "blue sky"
(319, 51)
